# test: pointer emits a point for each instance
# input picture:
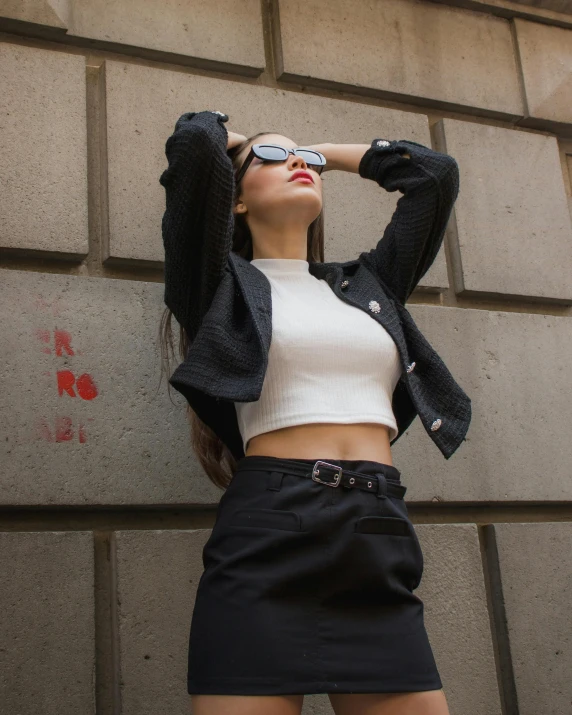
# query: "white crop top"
(328, 360)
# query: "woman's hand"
(234, 139)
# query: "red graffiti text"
(84, 385)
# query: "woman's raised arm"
(197, 225)
(429, 181)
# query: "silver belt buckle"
(316, 471)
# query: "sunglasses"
(275, 152)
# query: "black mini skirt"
(309, 587)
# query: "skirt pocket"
(391, 541)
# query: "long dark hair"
(213, 455)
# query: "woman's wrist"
(342, 157)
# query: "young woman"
(311, 566)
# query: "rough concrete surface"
(184, 28)
(536, 572)
(547, 76)
(404, 47)
(158, 575)
(95, 426)
(47, 632)
(514, 227)
(52, 13)
(456, 617)
(43, 150)
(514, 369)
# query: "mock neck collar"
(281, 265)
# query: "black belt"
(332, 475)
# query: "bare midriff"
(364, 440)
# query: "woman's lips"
(305, 179)
(302, 174)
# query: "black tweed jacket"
(224, 302)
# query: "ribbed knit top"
(328, 360)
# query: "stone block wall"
(104, 509)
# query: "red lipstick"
(301, 175)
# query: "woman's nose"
(297, 161)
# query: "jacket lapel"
(255, 288)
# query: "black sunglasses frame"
(255, 149)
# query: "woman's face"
(267, 193)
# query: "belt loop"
(275, 481)
(381, 486)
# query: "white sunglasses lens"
(271, 153)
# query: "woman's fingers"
(234, 139)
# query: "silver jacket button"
(222, 115)
(382, 142)
(411, 367)
(374, 306)
(345, 284)
(435, 426)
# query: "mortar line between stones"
(272, 38)
(455, 261)
(25, 518)
(98, 195)
(102, 595)
(114, 622)
(499, 625)
(519, 68)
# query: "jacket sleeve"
(429, 182)
(197, 224)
